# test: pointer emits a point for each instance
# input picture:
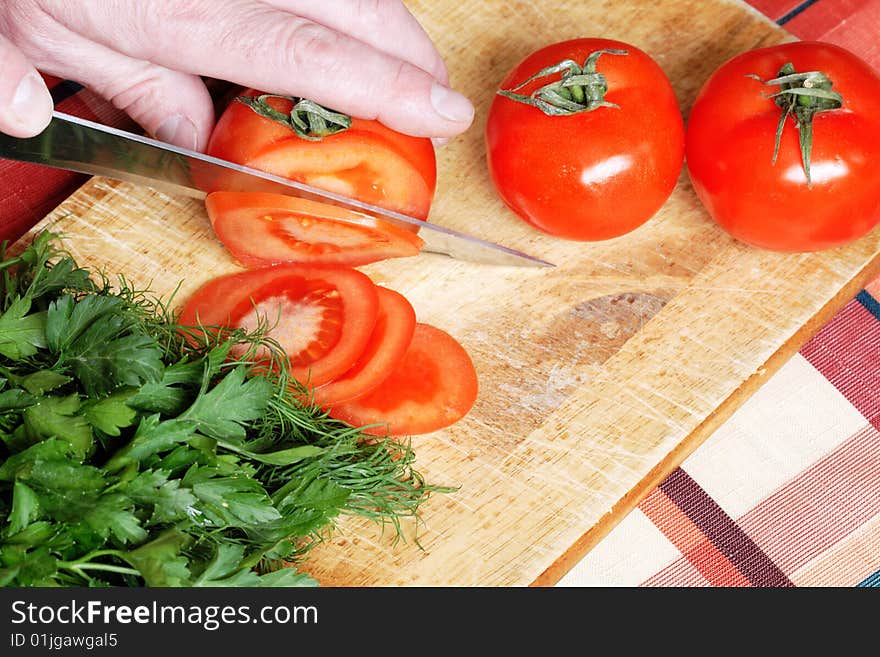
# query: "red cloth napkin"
(28, 192)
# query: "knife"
(76, 144)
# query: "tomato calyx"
(579, 88)
(306, 118)
(802, 95)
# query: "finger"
(255, 45)
(371, 21)
(174, 107)
(25, 103)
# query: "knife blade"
(77, 144)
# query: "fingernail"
(440, 142)
(178, 130)
(32, 104)
(450, 104)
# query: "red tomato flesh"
(391, 337)
(434, 386)
(321, 316)
(264, 229)
(353, 165)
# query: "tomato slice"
(264, 229)
(321, 316)
(434, 386)
(392, 335)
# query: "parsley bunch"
(133, 456)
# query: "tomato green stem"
(306, 118)
(802, 96)
(579, 88)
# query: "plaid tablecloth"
(786, 493)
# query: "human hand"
(370, 59)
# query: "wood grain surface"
(597, 377)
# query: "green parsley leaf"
(173, 392)
(103, 366)
(21, 334)
(222, 411)
(234, 501)
(279, 457)
(90, 335)
(152, 436)
(43, 381)
(287, 576)
(68, 318)
(306, 507)
(22, 462)
(25, 508)
(34, 568)
(229, 567)
(34, 534)
(111, 513)
(110, 414)
(56, 417)
(10, 574)
(169, 500)
(161, 562)
(63, 275)
(16, 399)
(225, 568)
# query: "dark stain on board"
(539, 371)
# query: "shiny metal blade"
(77, 144)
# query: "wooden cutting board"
(598, 376)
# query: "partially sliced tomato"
(434, 386)
(368, 161)
(265, 229)
(321, 316)
(392, 335)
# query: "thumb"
(25, 103)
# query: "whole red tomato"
(783, 144)
(585, 140)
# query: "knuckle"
(404, 78)
(141, 21)
(179, 10)
(308, 45)
(378, 15)
(133, 96)
(378, 11)
(25, 24)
